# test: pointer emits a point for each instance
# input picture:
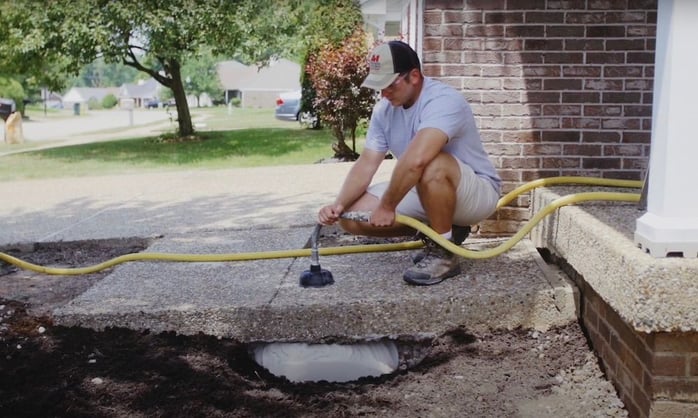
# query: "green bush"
(12, 89)
(235, 101)
(109, 101)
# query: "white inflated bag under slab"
(301, 362)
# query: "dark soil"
(46, 370)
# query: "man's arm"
(425, 146)
(355, 185)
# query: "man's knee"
(442, 169)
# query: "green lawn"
(221, 118)
(241, 138)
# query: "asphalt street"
(45, 132)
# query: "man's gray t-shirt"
(438, 106)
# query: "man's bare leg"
(437, 191)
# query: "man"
(443, 175)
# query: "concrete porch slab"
(596, 239)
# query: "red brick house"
(557, 87)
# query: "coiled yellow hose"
(305, 252)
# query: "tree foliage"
(101, 74)
(322, 22)
(48, 41)
(336, 73)
(200, 73)
(12, 89)
(51, 40)
(315, 33)
(109, 101)
(339, 103)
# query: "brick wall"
(656, 375)
(558, 87)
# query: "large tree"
(50, 40)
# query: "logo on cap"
(374, 63)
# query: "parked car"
(288, 107)
(152, 104)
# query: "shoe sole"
(432, 281)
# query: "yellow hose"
(492, 252)
(552, 181)
(305, 252)
(205, 258)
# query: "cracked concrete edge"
(332, 322)
(565, 293)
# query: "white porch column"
(671, 222)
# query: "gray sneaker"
(460, 233)
(437, 265)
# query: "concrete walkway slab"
(261, 300)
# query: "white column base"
(662, 236)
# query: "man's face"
(401, 91)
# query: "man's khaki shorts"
(476, 199)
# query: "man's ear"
(414, 75)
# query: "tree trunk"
(341, 150)
(353, 138)
(183, 116)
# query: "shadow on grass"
(214, 145)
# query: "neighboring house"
(255, 87)
(51, 99)
(81, 96)
(232, 75)
(258, 87)
(141, 92)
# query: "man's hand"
(382, 217)
(330, 214)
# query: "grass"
(243, 138)
(221, 118)
(36, 111)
